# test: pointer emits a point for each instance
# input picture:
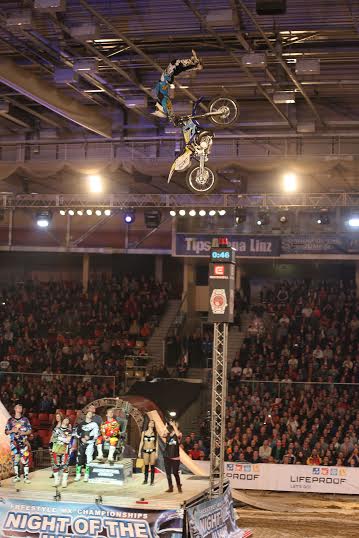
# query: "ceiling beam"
(133, 46)
(48, 96)
(284, 65)
(235, 58)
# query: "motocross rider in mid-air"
(164, 108)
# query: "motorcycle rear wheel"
(201, 185)
(229, 116)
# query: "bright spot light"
(354, 222)
(172, 414)
(202, 212)
(290, 182)
(107, 212)
(182, 212)
(80, 212)
(192, 212)
(221, 212)
(89, 212)
(62, 212)
(71, 212)
(95, 183)
(173, 213)
(42, 222)
(259, 222)
(98, 212)
(212, 212)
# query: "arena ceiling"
(58, 123)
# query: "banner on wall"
(276, 477)
(187, 244)
(319, 244)
(215, 518)
(41, 519)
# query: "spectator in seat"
(195, 452)
(314, 458)
(265, 451)
(278, 451)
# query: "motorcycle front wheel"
(201, 184)
(229, 108)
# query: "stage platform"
(133, 494)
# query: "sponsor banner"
(188, 244)
(215, 518)
(306, 478)
(40, 519)
(320, 244)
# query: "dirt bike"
(201, 179)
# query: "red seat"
(44, 435)
(62, 411)
(44, 418)
(70, 412)
(51, 418)
(35, 422)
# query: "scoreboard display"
(222, 270)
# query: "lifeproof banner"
(40, 519)
(215, 519)
(188, 244)
(276, 477)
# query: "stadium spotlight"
(152, 218)
(221, 212)
(43, 218)
(71, 212)
(98, 212)
(129, 216)
(263, 219)
(202, 212)
(80, 212)
(283, 219)
(240, 215)
(107, 212)
(323, 218)
(290, 182)
(89, 212)
(173, 213)
(212, 212)
(192, 213)
(62, 212)
(353, 222)
(172, 414)
(95, 183)
(182, 212)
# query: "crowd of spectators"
(55, 328)
(300, 332)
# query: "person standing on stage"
(87, 433)
(96, 418)
(172, 437)
(19, 428)
(148, 450)
(60, 451)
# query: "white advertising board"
(306, 478)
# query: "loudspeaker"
(271, 7)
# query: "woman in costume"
(148, 449)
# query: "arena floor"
(287, 515)
(128, 495)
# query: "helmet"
(169, 525)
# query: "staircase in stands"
(155, 343)
(236, 336)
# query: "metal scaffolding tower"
(219, 396)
